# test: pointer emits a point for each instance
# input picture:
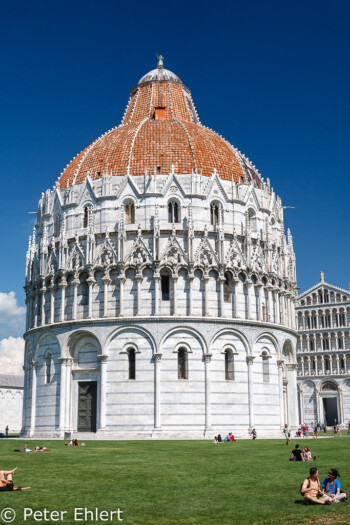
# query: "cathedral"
(160, 285)
(323, 354)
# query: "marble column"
(175, 277)
(285, 401)
(75, 284)
(190, 278)
(24, 407)
(33, 407)
(68, 401)
(139, 279)
(63, 285)
(250, 360)
(157, 392)
(221, 297)
(91, 281)
(103, 390)
(248, 286)
(52, 302)
(206, 280)
(63, 395)
(106, 282)
(207, 359)
(156, 294)
(280, 383)
(121, 295)
(42, 291)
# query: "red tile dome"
(160, 128)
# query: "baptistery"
(160, 285)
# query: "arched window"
(229, 365)
(132, 363)
(173, 212)
(265, 367)
(329, 386)
(129, 212)
(252, 220)
(87, 215)
(215, 209)
(48, 369)
(57, 225)
(227, 288)
(165, 286)
(182, 363)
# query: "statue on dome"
(160, 64)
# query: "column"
(309, 364)
(250, 360)
(63, 394)
(190, 278)
(221, 305)
(278, 313)
(337, 359)
(323, 367)
(42, 291)
(103, 390)
(205, 280)
(25, 390)
(317, 398)
(121, 295)
(68, 402)
(63, 285)
(248, 287)
(285, 401)
(343, 338)
(207, 359)
(138, 299)
(341, 406)
(33, 409)
(52, 302)
(295, 392)
(175, 294)
(106, 282)
(156, 294)
(281, 296)
(234, 297)
(91, 281)
(35, 309)
(302, 367)
(157, 393)
(280, 382)
(257, 287)
(75, 284)
(301, 402)
(308, 343)
(269, 300)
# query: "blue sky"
(271, 77)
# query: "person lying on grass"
(36, 449)
(6, 482)
(331, 486)
(311, 491)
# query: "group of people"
(316, 428)
(329, 492)
(301, 455)
(229, 437)
(6, 481)
(34, 449)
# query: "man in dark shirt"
(299, 456)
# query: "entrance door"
(330, 410)
(87, 404)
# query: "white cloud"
(11, 314)
(11, 355)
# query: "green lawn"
(176, 482)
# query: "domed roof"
(160, 129)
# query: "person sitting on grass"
(297, 453)
(215, 440)
(228, 437)
(310, 489)
(307, 454)
(331, 486)
(253, 433)
(6, 482)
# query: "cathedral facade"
(160, 285)
(323, 354)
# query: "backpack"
(308, 485)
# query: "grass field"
(175, 482)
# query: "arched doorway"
(329, 398)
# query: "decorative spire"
(322, 276)
(160, 64)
